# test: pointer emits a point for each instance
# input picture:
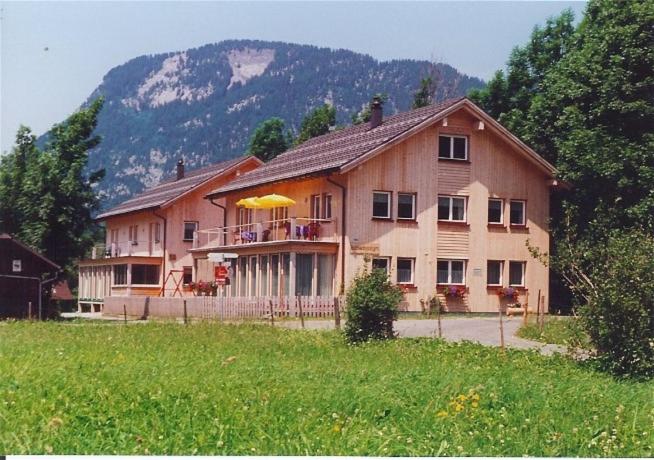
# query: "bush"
(371, 307)
(619, 313)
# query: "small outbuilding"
(26, 278)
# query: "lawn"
(562, 330)
(71, 388)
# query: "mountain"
(203, 104)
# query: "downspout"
(163, 266)
(224, 218)
(343, 231)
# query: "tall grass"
(211, 389)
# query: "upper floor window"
(327, 207)
(517, 213)
(276, 214)
(381, 263)
(516, 273)
(495, 211)
(315, 206)
(113, 236)
(453, 147)
(321, 206)
(405, 270)
(157, 232)
(452, 208)
(134, 234)
(381, 205)
(450, 271)
(189, 230)
(494, 273)
(406, 206)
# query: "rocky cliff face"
(204, 103)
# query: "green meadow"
(166, 388)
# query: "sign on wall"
(16, 265)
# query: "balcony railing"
(297, 229)
(127, 248)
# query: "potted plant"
(508, 293)
(456, 292)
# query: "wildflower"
(475, 404)
(55, 422)
(336, 428)
(462, 398)
(458, 407)
(442, 414)
(334, 415)
(475, 397)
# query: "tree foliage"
(372, 302)
(317, 123)
(269, 139)
(363, 116)
(46, 198)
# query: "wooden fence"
(225, 308)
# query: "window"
(114, 235)
(242, 276)
(189, 230)
(187, 275)
(495, 211)
(134, 234)
(286, 274)
(16, 265)
(303, 274)
(381, 205)
(451, 208)
(145, 274)
(157, 232)
(274, 275)
(253, 276)
(406, 206)
(494, 273)
(315, 206)
(120, 274)
(516, 273)
(325, 274)
(380, 263)
(244, 216)
(450, 272)
(327, 207)
(405, 270)
(276, 214)
(453, 147)
(518, 212)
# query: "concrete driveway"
(482, 330)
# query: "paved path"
(482, 330)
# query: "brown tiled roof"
(334, 150)
(170, 189)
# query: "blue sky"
(53, 54)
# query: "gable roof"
(171, 189)
(341, 150)
(7, 237)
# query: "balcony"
(292, 230)
(127, 248)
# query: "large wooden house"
(443, 198)
(148, 236)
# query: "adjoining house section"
(25, 277)
(443, 198)
(148, 236)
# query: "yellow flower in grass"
(462, 398)
(458, 407)
(475, 404)
(442, 414)
(475, 397)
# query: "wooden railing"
(224, 308)
(126, 248)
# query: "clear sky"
(53, 54)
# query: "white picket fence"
(224, 308)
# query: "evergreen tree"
(269, 139)
(425, 94)
(317, 123)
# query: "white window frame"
(134, 235)
(327, 198)
(452, 137)
(524, 213)
(501, 200)
(452, 197)
(501, 262)
(388, 263)
(413, 205)
(316, 207)
(449, 271)
(195, 223)
(523, 264)
(388, 207)
(413, 270)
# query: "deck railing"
(294, 228)
(127, 248)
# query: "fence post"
(542, 313)
(29, 311)
(538, 313)
(299, 305)
(125, 313)
(501, 329)
(337, 313)
(185, 313)
(272, 313)
(438, 318)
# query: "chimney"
(180, 169)
(376, 112)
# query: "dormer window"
(453, 147)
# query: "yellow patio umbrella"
(275, 201)
(251, 202)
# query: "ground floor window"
(450, 271)
(120, 275)
(325, 275)
(303, 274)
(145, 274)
(494, 273)
(381, 263)
(187, 275)
(405, 269)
